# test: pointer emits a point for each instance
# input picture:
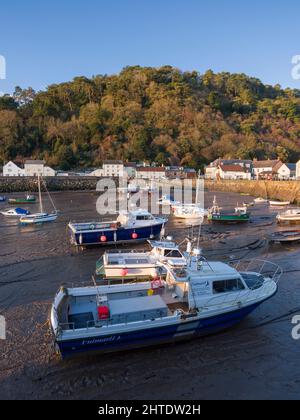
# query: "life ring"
(92, 227)
(156, 284)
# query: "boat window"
(172, 254)
(253, 281)
(225, 286)
(145, 217)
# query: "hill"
(145, 113)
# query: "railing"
(263, 267)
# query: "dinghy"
(279, 203)
(41, 217)
(200, 299)
(260, 200)
(285, 236)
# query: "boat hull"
(194, 328)
(243, 218)
(20, 201)
(36, 220)
(113, 236)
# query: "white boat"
(17, 212)
(279, 203)
(189, 212)
(40, 217)
(260, 200)
(140, 265)
(166, 200)
(200, 299)
(292, 215)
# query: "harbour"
(37, 260)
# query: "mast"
(40, 194)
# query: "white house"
(37, 167)
(263, 168)
(212, 170)
(298, 170)
(114, 168)
(233, 172)
(152, 173)
(11, 169)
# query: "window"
(147, 217)
(225, 286)
(172, 254)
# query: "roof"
(291, 166)
(112, 162)
(130, 165)
(151, 169)
(232, 168)
(138, 304)
(266, 163)
(241, 162)
(34, 162)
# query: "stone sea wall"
(26, 184)
(274, 190)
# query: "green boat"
(241, 215)
(29, 199)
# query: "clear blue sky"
(48, 42)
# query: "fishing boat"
(216, 215)
(288, 236)
(279, 203)
(41, 217)
(2, 199)
(18, 212)
(201, 299)
(130, 226)
(292, 215)
(122, 265)
(29, 199)
(260, 200)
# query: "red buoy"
(134, 235)
(103, 238)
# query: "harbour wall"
(26, 184)
(273, 190)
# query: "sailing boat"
(41, 217)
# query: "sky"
(46, 42)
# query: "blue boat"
(2, 199)
(138, 225)
(200, 299)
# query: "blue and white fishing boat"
(131, 226)
(201, 299)
(17, 212)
